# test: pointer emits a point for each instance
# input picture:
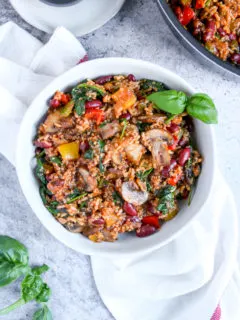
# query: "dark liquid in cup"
(60, 2)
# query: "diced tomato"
(152, 221)
(95, 114)
(184, 15)
(177, 174)
(65, 98)
(174, 145)
(200, 4)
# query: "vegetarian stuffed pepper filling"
(216, 24)
(111, 159)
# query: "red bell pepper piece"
(184, 15)
(200, 4)
(152, 221)
(95, 114)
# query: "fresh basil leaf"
(31, 287)
(88, 154)
(171, 101)
(13, 260)
(56, 160)
(40, 270)
(43, 314)
(44, 294)
(202, 107)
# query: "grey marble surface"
(138, 31)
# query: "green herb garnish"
(56, 160)
(88, 154)
(101, 144)
(125, 123)
(117, 199)
(14, 263)
(166, 199)
(40, 171)
(83, 205)
(143, 176)
(142, 126)
(76, 195)
(41, 154)
(199, 105)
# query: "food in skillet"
(216, 24)
(116, 155)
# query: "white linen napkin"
(185, 279)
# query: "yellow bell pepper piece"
(69, 151)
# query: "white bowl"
(129, 244)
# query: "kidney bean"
(173, 127)
(43, 144)
(232, 36)
(184, 155)
(145, 231)
(84, 146)
(210, 30)
(222, 32)
(235, 58)
(93, 104)
(131, 77)
(126, 116)
(189, 124)
(54, 103)
(150, 208)
(98, 222)
(103, 79)
(129, 209)
(167, 169)
(183, 141)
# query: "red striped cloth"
(217, 314)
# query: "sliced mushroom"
(158, 134)
(90, 182)
(134, 152)
(157, 140)
(160, 154)
(132, 195)
(152, 119)
(109, 130)
(50, 122)
(74, 227)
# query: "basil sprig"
(199, 105)
(14, 263)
